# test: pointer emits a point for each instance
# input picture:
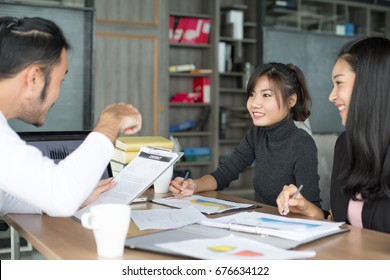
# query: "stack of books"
(127, 148)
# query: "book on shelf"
(222, 124)
(178, 31)
(236, 18)
(201, 71)
(189, 30)
(288, 5)
(229, 58)
(181, 68)
(183, 126)
(197, 154)
(221, 57)
(192, 29)
(134, 143)
(171, 27)
(205, 32)
(201, 121)
(196, 31)
(201, 85)
(197, 151)
(185, 97)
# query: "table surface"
(65, 238)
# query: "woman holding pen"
(276, 96)
(360, 183)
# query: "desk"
(65, 238)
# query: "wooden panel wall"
(130, 37)
(139, 12)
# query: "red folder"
(192, 31)
(171, 27)
(178, 33)
(202, 86)
(205, 31)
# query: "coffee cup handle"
(87, 221)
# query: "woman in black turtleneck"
(283, 154)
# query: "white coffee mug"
(110, 225)
(161, 184)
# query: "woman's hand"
(181, 187)
(286, 203)
(298, 205)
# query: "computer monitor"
(58, 144)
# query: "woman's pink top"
(355, 208)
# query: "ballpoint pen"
(186, 175)
(293, 197)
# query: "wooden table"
(65, 238)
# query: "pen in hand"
(186, 175)
(293, 197)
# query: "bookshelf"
(199, 54)
(228, 93)
(229, 120)
(329, 17)
(233, 119)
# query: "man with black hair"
(33, 64)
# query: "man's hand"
(103, 186)
(118, 119)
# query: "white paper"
(204, 204)
(284, 227)
(166, 218)
(233, 248)
(137, 176)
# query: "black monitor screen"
(58, 144)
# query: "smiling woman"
(360, 184)
(281, 152)
(264, 103)
(343, 81)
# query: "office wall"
(131, 62)
(315, 54)
(72, 110)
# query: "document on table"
(301, 230)
(166, 218)
(137, 176)
(204, 204)
(232, 248)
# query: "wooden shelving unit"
(231, 102)
(227, 88)
(326, 17)
(201, 56)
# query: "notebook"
(58, 144)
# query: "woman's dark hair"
(289, 79)
(368, 121)
(27, 41)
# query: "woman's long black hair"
(368, 121)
